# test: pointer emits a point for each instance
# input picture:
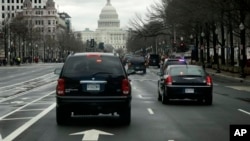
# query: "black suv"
(137, 63)
(154, 60)
(92, 84)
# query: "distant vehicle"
(172, 61)
(185, 81)
(137, 63)
(90, 84)
(154, 60)
(125, 58)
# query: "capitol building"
(108, 31)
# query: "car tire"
(209, 100)
(62, 116)
(125, 116)
(144, 71)
(165, 98)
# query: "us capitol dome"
(108, 30)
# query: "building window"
(8, 1)
(13, 8)
(40, 1)
(2, 8)
(13, 1)
(3, 16)
(8, 7)
(13, 15)
(35, 1)
(2, 1)
(49, 22)
(17, 1)
(17, 7)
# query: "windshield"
(86, 66)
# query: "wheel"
(209, 100)
(62, 116)
(125, 116)
(144, 71)
(165, 98)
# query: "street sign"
(91, 135)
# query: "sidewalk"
(228, 75)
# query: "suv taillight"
(125, 86)
(209, 80)
(60, 87)
(169, 80)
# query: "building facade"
(108, 30)
(43, 23)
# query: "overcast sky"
(85, 13)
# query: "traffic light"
(92, 43)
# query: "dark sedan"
(185, 82)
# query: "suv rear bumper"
(90, 103)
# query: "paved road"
(34, 119)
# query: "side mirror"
(57, 71)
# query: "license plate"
(93, 87)
(189, 91)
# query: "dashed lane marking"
(151, 112)
(244, 111)
(22, 118)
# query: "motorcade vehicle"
(137, 63)
(172, 61)
(154, 60)
(93, 83)
(185, 82)
(125, 58)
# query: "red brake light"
(125, 86)
(60, 87)
(169, 80)
(209, 80)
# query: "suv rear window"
(85, 65)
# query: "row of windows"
(41, 12)
(49, 30)
(20, 1)
(12, 7)
(12, 15)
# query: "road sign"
(91, 135)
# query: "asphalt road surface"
(27, 111)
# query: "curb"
(226, 76)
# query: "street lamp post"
(242, 49)
(201, 50)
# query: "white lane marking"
(24, 127)
(26, 81)
(18, 109)
(244, 111)
(1, 137)
(38, 88)
(151, 112)
(25, 110)
(140, 96)
(170, 140)
(22, 118)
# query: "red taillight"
(125, 86)
(209, 80)
(169, 80)
(60, 87)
